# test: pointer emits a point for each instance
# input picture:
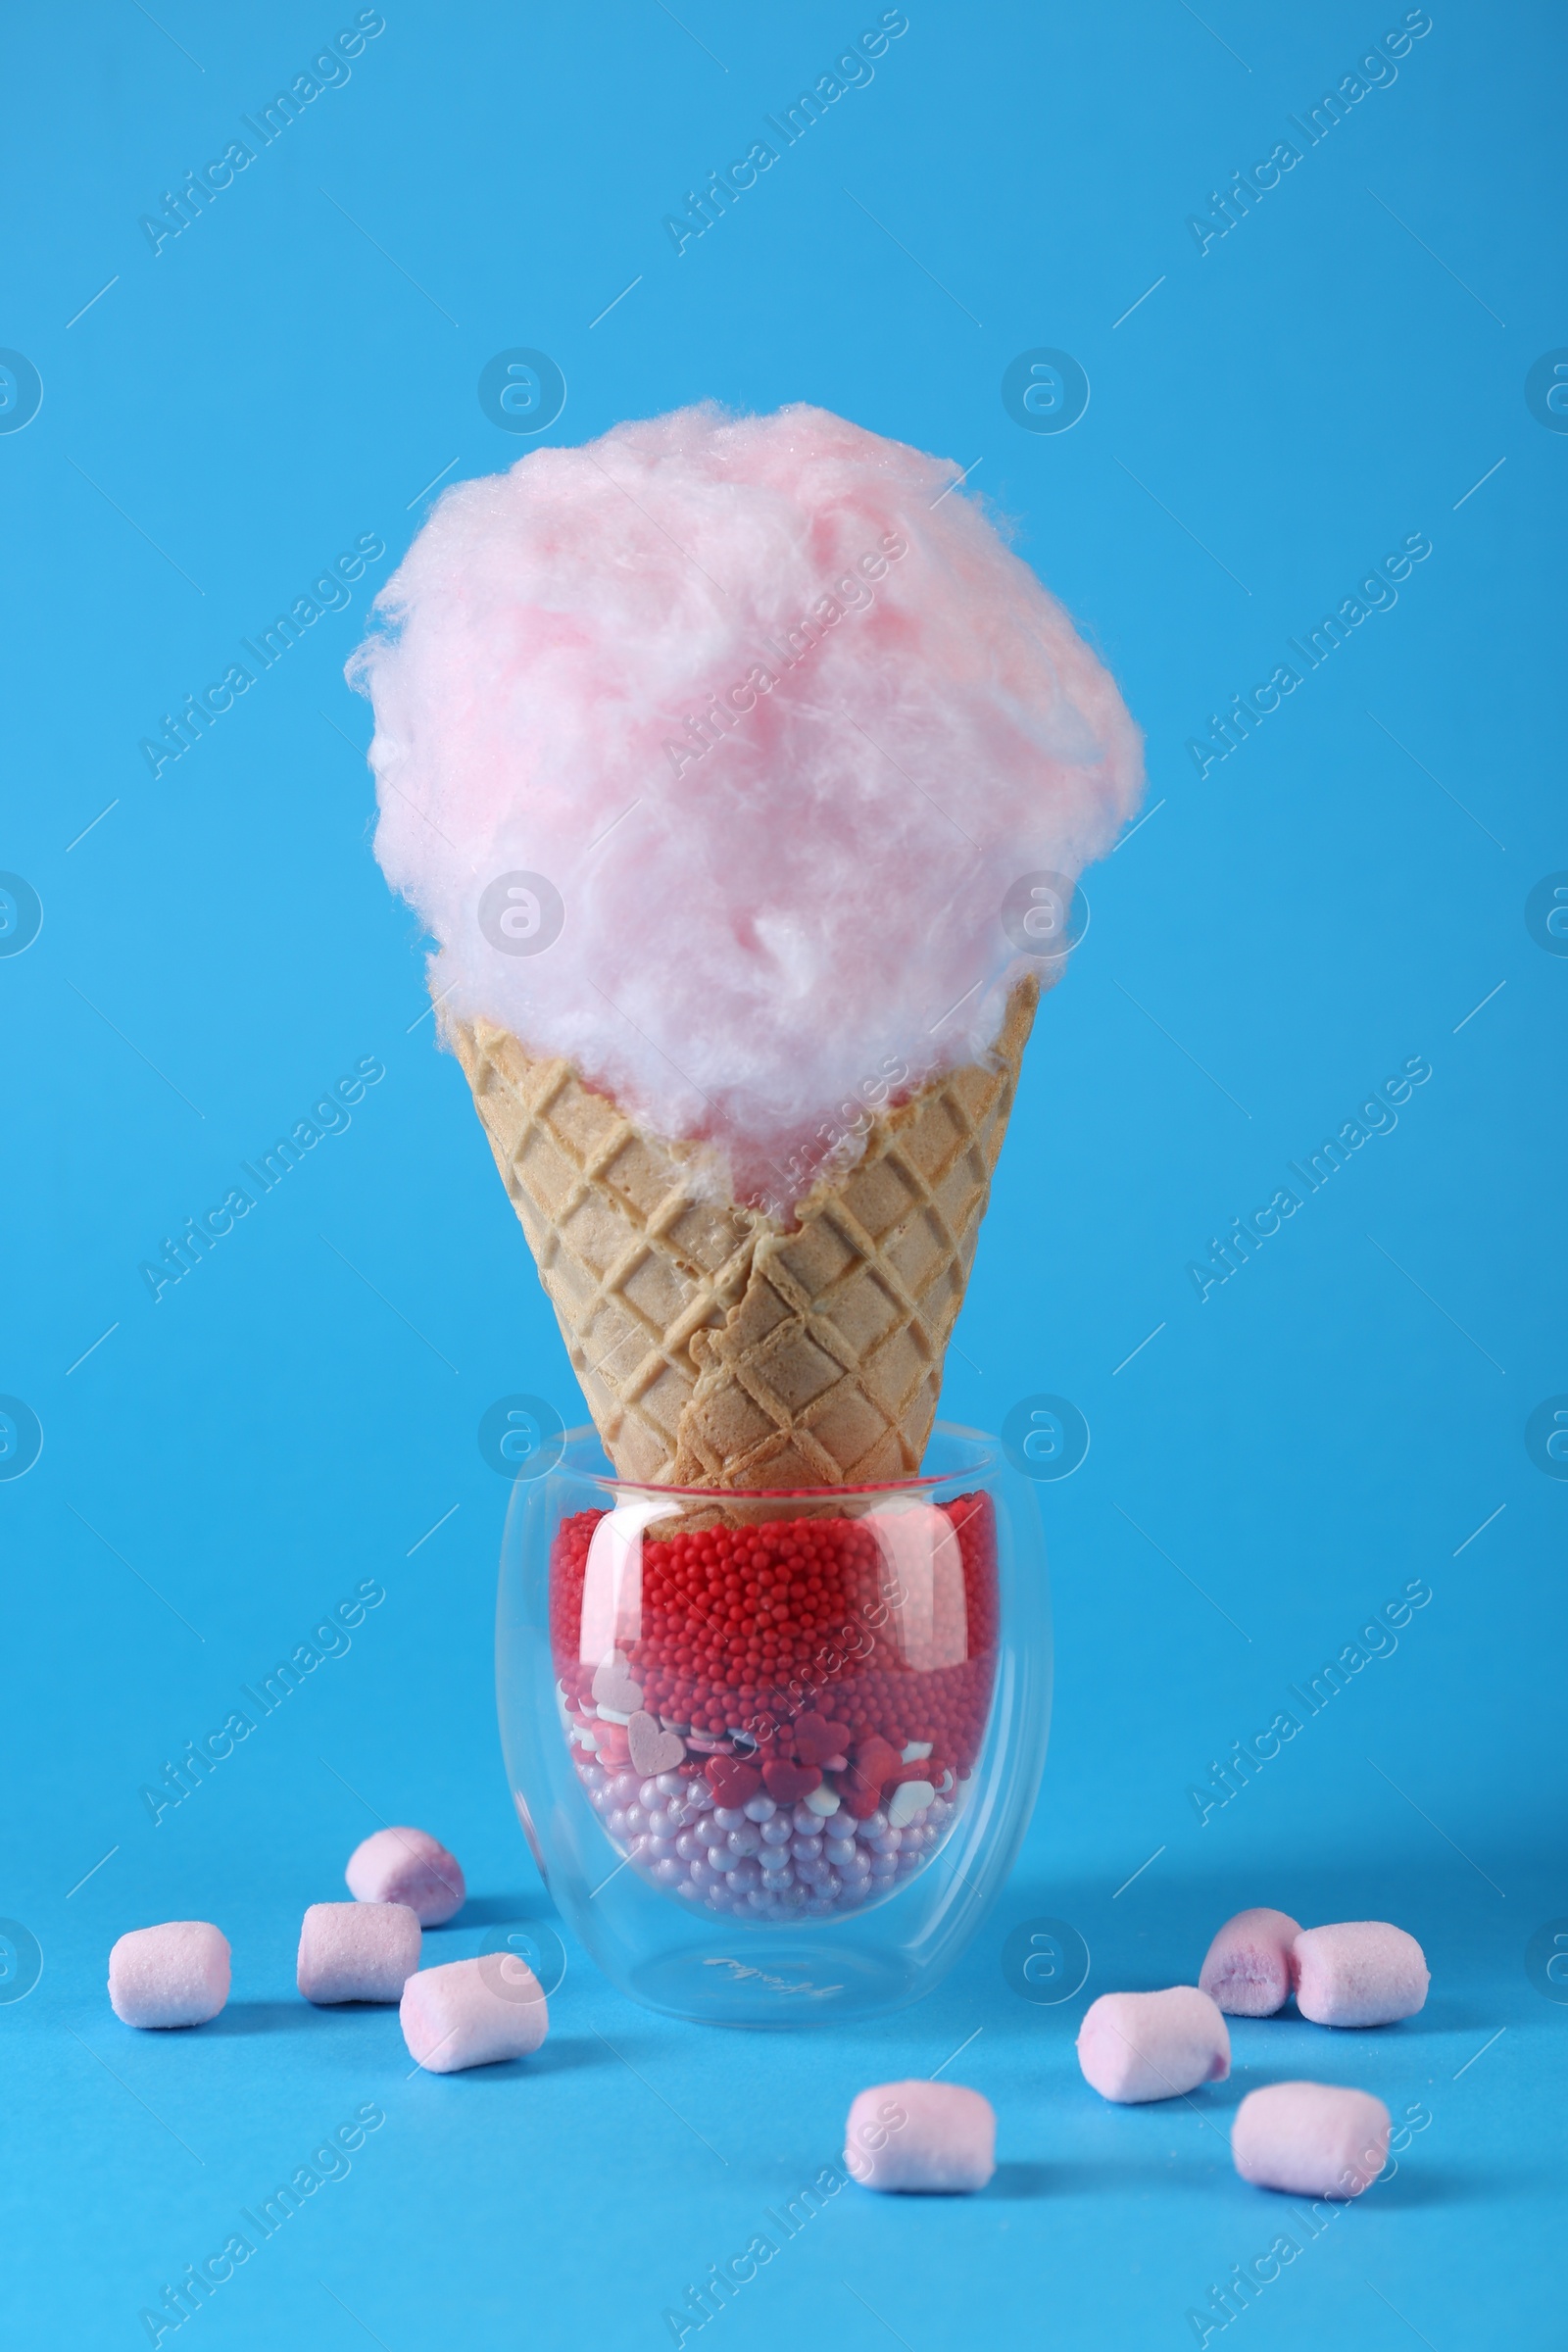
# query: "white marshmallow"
(1134, 2046)
(356, 1952)
(920, 2135)
(1360, 1973)
(407, 1866)
(1311, 2139)
(174, 1974)
(473, 2013)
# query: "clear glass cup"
(774, 1753)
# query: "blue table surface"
(1365, 355)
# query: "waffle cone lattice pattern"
(714, 1348)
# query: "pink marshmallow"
(473, 2013)
(1134, 2046)
(356, 1952)
(1311, 2139)
(176, 1975)
(920, 2135)
(1248, 1968)
(1361, 1972)
(407, 1866)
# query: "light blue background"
(1279, 412)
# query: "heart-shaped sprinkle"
(816, 1739)
(652, 1750)
(614, 1687)
(876, 1760)
(732, 1782)
(786, 1783)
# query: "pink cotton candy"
(1134, 2046)
(920, 2135)
(176, 1975)
(365, 1951)
(781, 721)
(1311, 2139)
(1361, 1972)
(473, 2013)
(408, 1866)
(1248, 1968)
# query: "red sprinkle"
(799, 1632)
(815, 1739)
(732, 1782)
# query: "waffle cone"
(715, 1347)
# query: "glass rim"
(980, 1446)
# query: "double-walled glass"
(774, 1753)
